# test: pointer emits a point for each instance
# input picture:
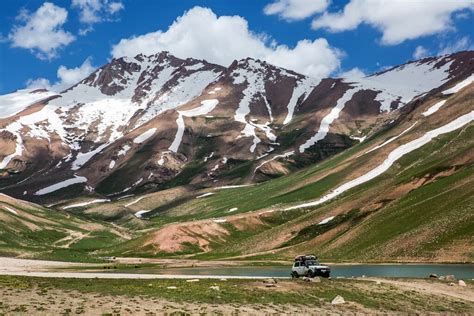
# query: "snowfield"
(392, 157)
(13, 103)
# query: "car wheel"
(294, 275)
(310, 274)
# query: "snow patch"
(206, 107)
(143, 137)
(302, 89)
(140, 214)
(329, 119)
(434, 108)
(460, 85)
(86, 203)
(62, 184)
(392, 157)
(10, 209)
(388, 141)
(326, 220)
(204, 195)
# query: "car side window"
(297, 264)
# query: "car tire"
(294, 275)
(310, 274)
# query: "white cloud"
(420, 52)
(199, 33)
(41, 31)
(463, 43)
(296, 9)
(353, 75)
(95, 11)
(398, 20)
(66, 77)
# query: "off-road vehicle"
(309, 266)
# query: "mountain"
(192, 157)
(146, 121)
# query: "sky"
(56, 43)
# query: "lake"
(461, 271)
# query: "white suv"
(310, 267)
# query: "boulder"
(338, 300)
(270, 281)
(316, 279)
(434, 276)
(462, 283)
(450, 277)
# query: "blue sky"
(55, 43)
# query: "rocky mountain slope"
(154, 122)
(166, 156)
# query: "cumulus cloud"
(41, 31)
(95, 11)
(199, 33)
(398, 20)
(66, 77)
(296, 9)
(352, 75)
(420, 52)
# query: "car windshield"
(311, 263)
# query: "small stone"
(442, 277)
(338, 300)
(316, 279)
(378, 282)
(192, 280)
(171, 287)
(462, 283)
(451, 284)
(150, 285)
(434, 276)
(270, 285)
(223, 279)
(215, 288)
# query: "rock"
(223, 279)
(451, 284)
(378, 282)
(215, 288)
(171, 287)
(442, 277)
(434, 276)
(306, 279)
(192, 280)
(150, 285)
(316, 279)
(338, 300)
(450, 278)
(462, 283)
(270, 285)
(270, 281)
